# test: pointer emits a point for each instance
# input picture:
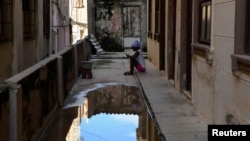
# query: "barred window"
(29, 19)
(78, 3)
(6, 20)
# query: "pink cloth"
(140, 68)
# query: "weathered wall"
(151, 43)
(108, 25)
(41, 93)
(29, 53)
(203, 88)
(6, 63)
(232, 92)
(108, 28)
(219, 95)
(60, 24)
(39, 99)
(20, 53)
(68, 71)
(144, 25)
(151, 49)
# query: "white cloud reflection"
(127, 118)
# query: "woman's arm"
(133, 56)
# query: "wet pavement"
(175, 118)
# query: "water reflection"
(109, 127)
(113, 112)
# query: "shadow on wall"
(108, 42)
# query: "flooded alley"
(104, 108)
(145, 107)
(104, 111)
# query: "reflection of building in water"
(119, 99)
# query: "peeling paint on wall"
(131, 21)
(108, 25)
(118, 23)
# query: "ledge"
(203, 51)
(240, 63)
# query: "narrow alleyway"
(174, 114)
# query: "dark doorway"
(162, 35)
(171, 38)
(186, 54)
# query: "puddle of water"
(114, 112)
(107, 112)
(109, 127)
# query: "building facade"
(117, 23)
(79, 19)
(202, 46)
(31, 31)
(39, 66)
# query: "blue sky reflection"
(107, 127)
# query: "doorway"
(171, 39)
(162, 36)
(186, 49)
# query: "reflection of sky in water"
(103, 127)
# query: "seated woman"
(136, 60)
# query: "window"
(29, 19)
(46, 18)
(241, 57)
(202, 30)
(78, 4)
(205, 21)
(5, 20)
